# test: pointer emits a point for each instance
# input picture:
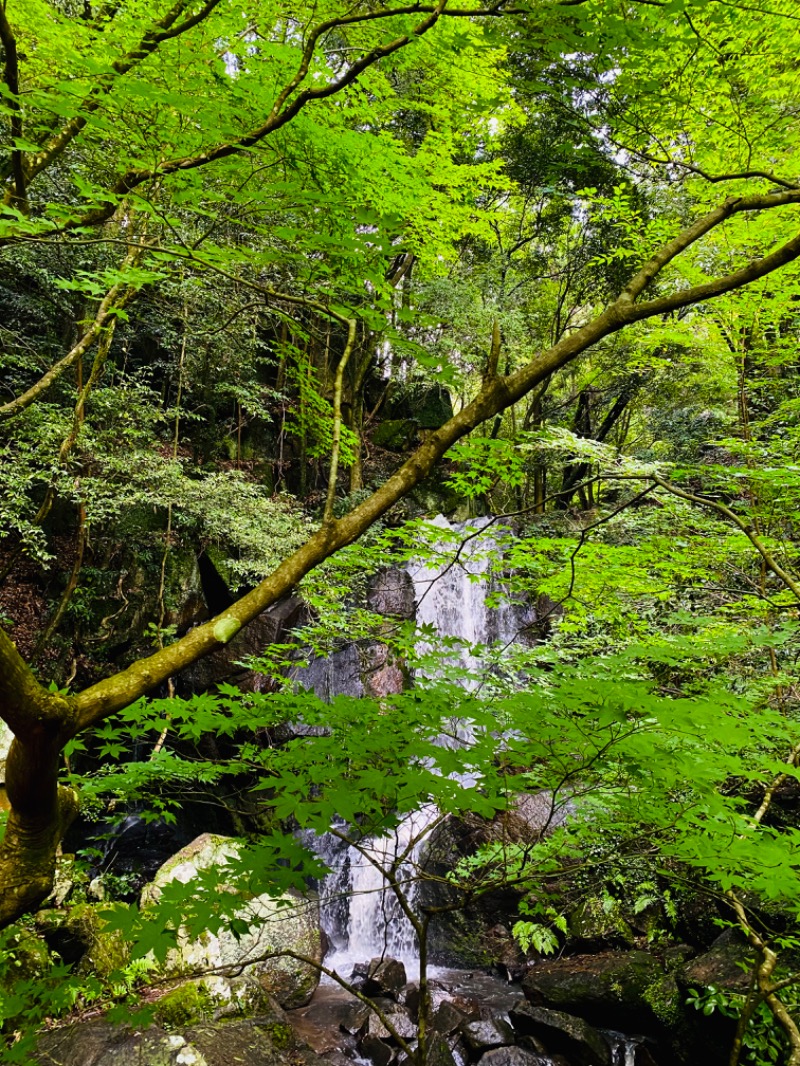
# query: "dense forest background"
(278, 286)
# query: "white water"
(361, 914)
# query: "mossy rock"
(184, 1006)
(601, 924)
(395, 435)
(28, 957)
(96, 949)
(286, 923)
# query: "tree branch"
(117, 297)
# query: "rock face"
(271, 627)
(391, 593)
(384, 977)
(595, 925)
(277, 924)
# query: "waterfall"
(361, 914)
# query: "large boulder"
(396, 1015)
(484, 1034)
(562, 1032)
(262, 1041)
(81, 937)
(383, 977)
(596, 924)
(517, 1056)
(285, 923)
(726, 965)
(623, 989)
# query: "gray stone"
(725, 965)
(355, 1018)
(515, 1056)
(258, 1042)
(391, 593)
(446, 1018)
(373, 1048)
(615, 988)
(562, 1032)
(286, 923)
(385, 977)
(439, 1053)
(397, 1016)
(487, 1033)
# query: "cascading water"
(361, 914)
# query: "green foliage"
(763, 1042)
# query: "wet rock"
(289, 922)
(487, 1033)
(224, 664)
(562, 1032)
(506, 953)
(439, 1053)
(397, 1016)
(622, 989)
(725, 965)
(516, 1056)
(384, 977)
(409, 997)
(532, 1043)
(382, 672)
(447, 1018)
(373, 1048)
(391, 593)
(355, 1017)
(339, 674)
(98, 1043)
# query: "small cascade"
(361, 915)
(623, 1048)
(375, 924)
(452, 595)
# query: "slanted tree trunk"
(43, 722)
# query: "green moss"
(105, 952)
(280, 1034)
(395, 435)
(184, 1005)
(664, 999)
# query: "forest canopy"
(281, 280)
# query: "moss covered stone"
(100, 951)
(602, 923)
(395, 435)
(183, 1006)
(286, 923)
